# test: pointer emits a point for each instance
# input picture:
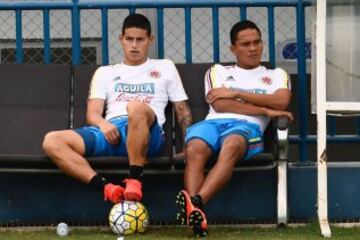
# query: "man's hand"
(111, 132)
(279, 113)
(218, 93)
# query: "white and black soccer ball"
(128, 217)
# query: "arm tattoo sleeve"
(183, 115)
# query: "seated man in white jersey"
(134, 95)
(242, 99)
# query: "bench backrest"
(34, 99)
(82, 75)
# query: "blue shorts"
(214, 131)
(96, 144)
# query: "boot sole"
(195, 220)
(181, 204)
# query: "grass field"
(308, 232)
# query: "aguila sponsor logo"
(148, 88)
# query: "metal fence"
(87, 31)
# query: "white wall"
(343, 53)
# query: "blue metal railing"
(302, 83)
(19, 47)
(75, 6)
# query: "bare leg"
(197, 154)
(140, 118)
(234, 147)
(65, 148)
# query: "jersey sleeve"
(282, 80)
(97, 84)
(215, 77)
(175, 90)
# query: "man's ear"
(232, 49)
(152, 39)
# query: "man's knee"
(134, 108)
(55, 141)
(234, 145)
(51, 142)
(197, 147)
(138, 112)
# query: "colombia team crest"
(154, 74)
(266, 80)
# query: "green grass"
(308, 232)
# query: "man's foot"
(133, 190)
(198, 222)
(113, 193)
(190, 214)
(181, 217)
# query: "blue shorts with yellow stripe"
(214, 131)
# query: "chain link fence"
(174, 34)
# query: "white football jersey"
(154, 82)
(259, 80)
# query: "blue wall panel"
(249, 197)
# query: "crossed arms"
(234, 101)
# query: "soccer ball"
(128, 217)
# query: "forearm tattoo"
(183, 114)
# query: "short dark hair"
(138, 21)
(240, 26)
